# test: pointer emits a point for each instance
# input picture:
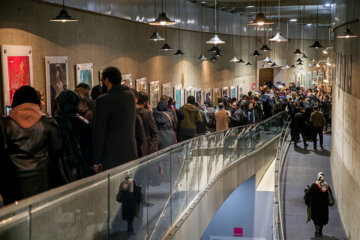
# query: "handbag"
(331, 200)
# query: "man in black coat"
(114, 124)
(300, 126)
(326, 110)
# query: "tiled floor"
(300, 169)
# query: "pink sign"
(238, 232)
(253, 86)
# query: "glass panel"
(15, 225)
(192, 171)
(82, 214)
(203, 162)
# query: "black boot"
(317, 230)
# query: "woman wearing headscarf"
(318, 198)
(33, 143)
(76, 132)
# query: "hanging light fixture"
(162, 19)
(317, 44)
(214, 49)
(297, 52)
(248, 64)
(218, 54)
(256, 53)
(215, 39)
(63, 16)
(292, 66)
(267, 59)
(240, 60)
(347, 34)
(260, 19)
(304, 56)
(213, 58)
(326, 50)
(286, 67)
(179, 52)
(234, 59)
(278, 36)
(265, 48)
(155, 36)
(166, 47)
(202, 57)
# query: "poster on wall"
(348, 73)
(16, 70)
(217, 95)
(141, 85)
(314, 77)
(240, 91)
(57, 79)
(308, 80)
(207, 95)
(303, 80)
(298, 80)
(225, 92)
(253, 86)
(178, 96)
(84, 74)
(166, 89)
(154, 93)
(188, 92)
(233, 92)
(127, 80)
(198, 96)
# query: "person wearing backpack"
(211, 116)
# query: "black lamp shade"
(214, 49)
(63, 17)
(162, 20)
(265, 48)
(297, 51)
(156, 37)
(256, 53)
(179, 52)
(241, 61)
(316, 45)
(166, 47)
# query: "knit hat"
(25, 94)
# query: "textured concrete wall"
(345, 154)
(104, 41)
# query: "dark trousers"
(318, 130)
(297, 137)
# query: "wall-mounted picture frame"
(308, 79)
(17, 70)
(240, 91)
(126, 80)
(84, 74)
(225, 92)
(189, 91)
(154, 93)
(233, 92)
(208, 95)
(178, 96)
(216, 95)
(57, 79)
(141, 85)
(166, 89)
(198, 95)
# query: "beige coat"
(222, 120)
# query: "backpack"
(211, 118)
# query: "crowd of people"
(95, 130)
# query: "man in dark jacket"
(33, 144)
(114, 124)
(253, 116)
(326, 110)
(318, 123)
(300, 126)
(192, 117)
(148, 128)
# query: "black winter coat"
(114, 128)
(165, 128)
(318, 202)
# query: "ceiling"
(289, 9)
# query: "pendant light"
(292, 66)
(317, 44)
(214, 49)
(156, 36)
(240, 60)
(202, 57)
(267, 59)
(179, 52)
(166, 47)
(260, 19)
(297, 51)
(162, 19)
(286, 67)
(256, 52)
(215, 39)
(265, 48)
(63, 16)
(278, 37)
(213, 58)
(347, 34)
(248, 62)
(234, 59)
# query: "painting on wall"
(57, 80)
(348, 73)
(16, 70)
(154, 93)
(127, 80)
(298, 80)
(308, 80)
(198, 97)
(225, 92)
(303, 80)
(233, 92)
(84, 74)
(217, 95)
(188, 92)
(178, 96)
(166, 89)
(207, 95)
(314, 76)
(240, 91)
(141, 85)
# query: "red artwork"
(19, 73)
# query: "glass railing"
(283, 146)
(166, 183)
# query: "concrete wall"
(345, 154)
(105, 40)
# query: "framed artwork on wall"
(154, 93)
(84, 74)
(217, 95)
(178, 96)
(303, 80)
(308, 80)
(57, 79)
(189, 91)
(141, 85)
(127, 80)
(208, 95)
(166, 89)
(16, 70)
(240, 91)
(298, 79)
(100, 76)
(198, 95)
(225, 92)
(233, 92)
